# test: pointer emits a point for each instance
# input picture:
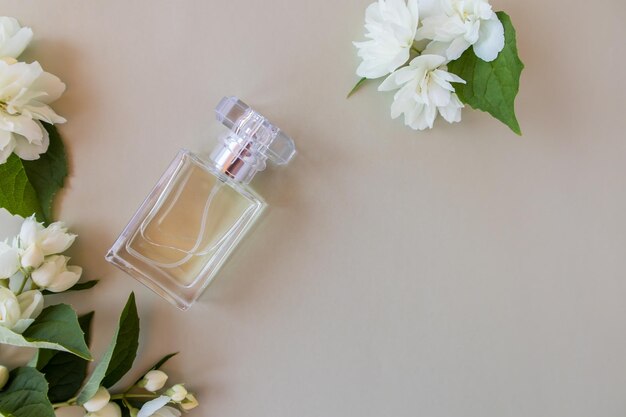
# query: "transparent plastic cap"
(252, 140)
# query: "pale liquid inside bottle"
(194, 217)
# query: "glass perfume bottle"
(201, 209)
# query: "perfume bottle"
(201, 209)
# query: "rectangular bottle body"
(185, 229)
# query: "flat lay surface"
(463, 271)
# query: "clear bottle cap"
(251, 141)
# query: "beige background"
(459, 272)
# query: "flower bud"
(153, 381)
(54, 274)
(4, 376)
(100, 399)
(32, 257)
(189, 403)
(109, 410)
(177, 393)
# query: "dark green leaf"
(159, 364)
(492, 86)
(78, 287)
(17, 195)
(48, 173)
(119, 356)
(55, 328)
(26, 395)
(65, 372)
(358, 85)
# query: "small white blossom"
(55, 275)
(38, 241)
(109, 410)
(100, 399)
(154, 380)
(26, 91)
(4, 376)
(189, 403)
(391, 27)
(455, 25)
(178, 393)
(423, 90)
(9, 260)
(13, 38)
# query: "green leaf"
(492, 86)
(26, 395)
(81, 286)
(356, 87)
(48, 173)
(17, 194)
(65, 372)
(55, 328)
(28, 187)
(158, 365)
(119, 356)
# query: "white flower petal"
(31, 151)
(151, 407)
(14, 38)
(32, 257)
(9, 260)
(29, 231)
(491, 40)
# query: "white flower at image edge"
(25, 92)
(18, 312)
(13, 38)
(391, 27)
(55, 275)
(38, 241)
(455, 25)
(423, 90)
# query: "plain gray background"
(463, 271)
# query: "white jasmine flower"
(189, 403)
(25, 92)
(158, 408)
(109, 410)
(4, 376)
(55, 275)
(9, 260)
(391, 27)
(98, 401)
(178, 393)
(39, 241)
(153, 381)
(455, 25)
(423, 90)
(13, 38)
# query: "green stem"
(26, 276)
(414, 49)
(123, 397)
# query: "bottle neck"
(235, 158)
